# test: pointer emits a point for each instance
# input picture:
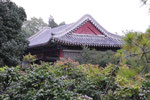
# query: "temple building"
(51, 44)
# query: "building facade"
(68, 40)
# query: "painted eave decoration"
(86, 31)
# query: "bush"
(101, 58)
(68, 80)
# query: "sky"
(116, 16)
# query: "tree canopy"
(135, 51)
(53, 24)
(33, 25)
(12, 40)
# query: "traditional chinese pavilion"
(68, 40)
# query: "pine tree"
(136, 51)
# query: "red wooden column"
(60, 53)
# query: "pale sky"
(114, 15)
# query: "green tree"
(12, 40)
(53, 24)
(135, 51)
(32, 26)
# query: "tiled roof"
(89, 40)
(43, 36)
(64, 35)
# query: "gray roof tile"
(89, 40)
(64, 35)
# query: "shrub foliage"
(69, 80)
(101, 58)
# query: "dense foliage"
(41, 82)
(68, 80)
(101, 58)
(12, 40)
(135, 51)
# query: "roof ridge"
(81, 21)
(88, 35)
(115, 36)
(68, 29)
(38, 33)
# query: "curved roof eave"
(43, 36)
